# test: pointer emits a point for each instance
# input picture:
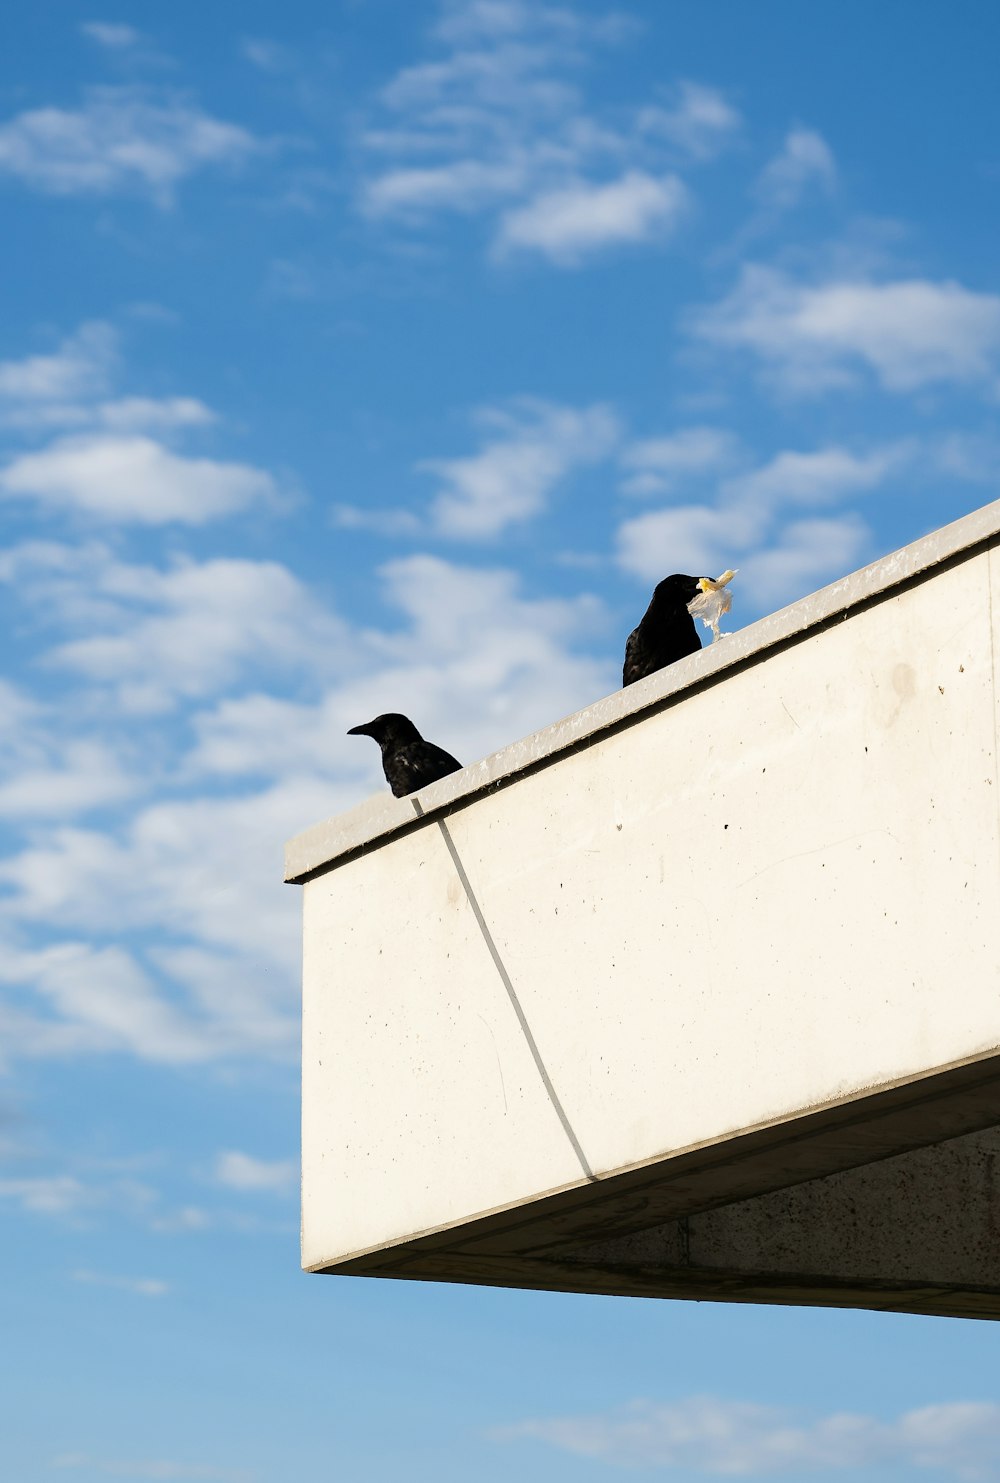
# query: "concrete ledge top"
(381, 816)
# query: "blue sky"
(375, 356)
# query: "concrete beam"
(717, 941)
(924, 1226)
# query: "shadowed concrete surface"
(694, 994)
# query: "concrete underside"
(796, 1214)
(696, 994)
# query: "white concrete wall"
(779, 890)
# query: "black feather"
(408, 761)
(666, 631)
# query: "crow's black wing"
(636, 659)
(414, 766)
(648, 649)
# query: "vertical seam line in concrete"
(505, 979)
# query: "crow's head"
(677, 591)
(392, 728)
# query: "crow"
(667, 630)
(408, 761)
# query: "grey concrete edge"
(321, 846)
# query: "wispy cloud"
(974, 457)
(107, 464)
(699, 122)
(121, 139)
(59, 778)
(107, 1000)
(813, 478)
(466, 21)
(141, 1287)
(134, 479)
(714, 1436)
(268, 56)
(812, 337)
(49, 1194)
(459, 185)
(495, 123)
(153, 1469)
(174, 945)
(241, 1171)
(80, 367)
(113, 36)
(805, 159)
(568, 224)
(805, 554)
(535, 445)
(156, 634)
(528, 449)
(656, 464)
(745, 521)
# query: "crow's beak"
(359, 731)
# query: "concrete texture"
(653, 1001)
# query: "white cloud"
(159, 1470)
(245, 992)
(74, 778)
(698, 539)
(499, 89)
(567, 224)
(115, 464)
(48, 1194)
(260, 735)
(459, 185)
(813, 478)
(198, 884)
(114, 37)
(242, 1171)
(79, 368)
(112, 461)
(521, 670)
(193, 881)
(910, 333)
(139, 413)
(121, 139)
(142, 1287)
(125, 415)
(269, 56)
(106, 1002)
(805, 159)
(162, 932)
(136, 479)
(496, 124)
(54, 762)
(806, 554)
(382, 522)
(714, 1436)
(512, 477)
(970, 456)
(742, 525)
(466, 21)
(196, 628)
(656, 464)
(18, 710)
(701, 123)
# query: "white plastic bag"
(712, 602)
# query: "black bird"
(666, 632)
(408, 761)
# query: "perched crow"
(667, 630)
(408, 761)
